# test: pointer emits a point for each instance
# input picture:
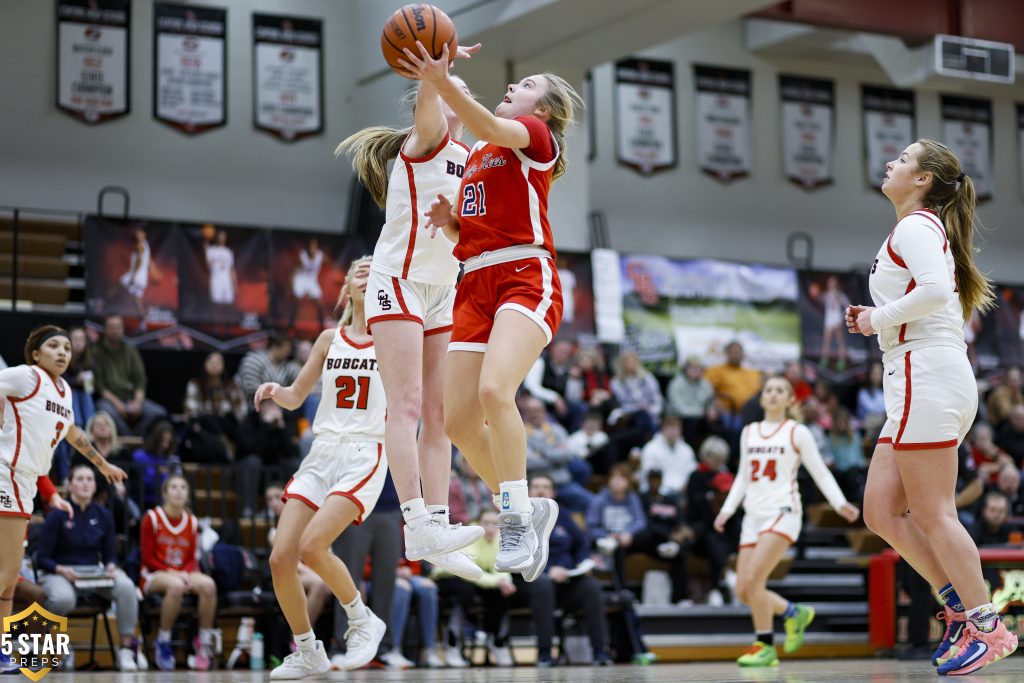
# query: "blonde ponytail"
(371, 150)
(344, 300)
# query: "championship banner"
(226, 269)
(723, 121)
(673, 309)
(287, 76)
(967, 129)
(132, 270)
(189, 66)
(1020, 144)
(824, 297)
(807, 135)
(92, 58)
(888, 128)
(645, 115)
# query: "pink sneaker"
(979, 648)
(202, 660)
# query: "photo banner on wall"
(645, 115)
(287, 76)
(888, 128)
(723, 121)
(575, 272)
(189, 67)
(674, 308)
(824, 296)
(808, 115)
(93, 58)
(967, 129)
(226, 269)
(1020, 145)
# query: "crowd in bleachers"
(639, 465)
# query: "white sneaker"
(434, 660)
(500, 655)
(715, 598)
(457, 563)
(302, 663)
(668, 549)
(436, 537)
(362, 640)
(338, 662)
(396, 660)
(126, 659)
(523, 546)
(453, 656)
(141, 663)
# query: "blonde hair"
(792, 411)
(115, 442)
(344, 300)
(953, 198)
(562, 103)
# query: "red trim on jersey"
(777, 429)
(461, 144)
(17, 493)
(39, 383)
(398, 295)
(925, 446)
(14, 401)
(892, 254)
(937, 223)
(347, 340)
(415, 225)
(438, 330)
(792, 439)
(58, 384)
(419, 160)
(906, 401)
(777, 533)
(884, 440)
(903, 327)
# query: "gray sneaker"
(545, 514)
(517, 543)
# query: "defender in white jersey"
(221, 262)
(925, 284)
(37, 415)
(410, 297)
(771, 452)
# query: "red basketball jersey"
(503, 201)
(169, 544)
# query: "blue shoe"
(7, 666)
(951, 639)
(980, 648)
(165, 660)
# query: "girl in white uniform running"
(925, 285)
(409, 311)
(771, 452)
(337, 484)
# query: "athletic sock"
(949, 598)
(439, 512)
(768, 638)
(515, 497)
(496, 499)
(985, 617)
(164, 636)
(791, 611)
(355, 609)
(206, 636)
(415, 513)
(305, 641)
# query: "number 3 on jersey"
(56, 436)
(474, 203)
(347, 388)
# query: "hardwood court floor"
(802, 671)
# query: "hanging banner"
(92, 58)
(723, 121)
(967, 129)
(645, 115)
(888, 128)
(226, 271)
(189, 66)
(807, 123)
(287, 76)
(1020, 144)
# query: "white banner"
(807, 130)
(92, 58)
(967, 129)
(723, 121)
(888, 128)
(189, 70)
(287, 76)
(645, 115)
(611, 328)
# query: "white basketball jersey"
(309, 266)
(35, 420)
(774, 462)
(890, 280)
(352, 403)
(405, 249)
(220, 260)
(139, 268)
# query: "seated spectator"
(566, 583)
(637, 393)
(814, 417)
(103, 434)
(991, 528)
(984, 449)
(705, 492)
(669, 535)
(870, 399)
(670, 455)
(689, 396)
(155, 460)
(1005, 397)
(793, 370)
(592, 444)
(267, 443)
(733, 383)
(214, 407)
(1008, 482)
(412, 588)
(494, 589)
(589, 383)
(548, 453)
(170, 567)
(548, 380)
(848, 463)
(468, 495)
(121, 381)
(272, 364)
(83, 545)
(1010, 435)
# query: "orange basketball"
(421, 22)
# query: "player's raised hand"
(439, 215)
(466, 52)
(265, 391)
(849, 512)
(113, 473)
(423, 67)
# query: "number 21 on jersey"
(474, 202)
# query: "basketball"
(421, 22)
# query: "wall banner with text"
(92, 58)
(967, 129)
(645, 115)
(888, 128)
(189, 66)
(808, 121)
(288, 93)
(723, 121)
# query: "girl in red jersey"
(169, 541)
(509, 303)
(38, 414)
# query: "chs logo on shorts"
(6, 501)
(383, 300)
(36, 640)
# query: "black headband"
(960, 178)
(51, 335)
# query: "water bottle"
(256, 652)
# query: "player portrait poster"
(888, 128)
(808, 116)
(307, 271)
(674, 308)
(645, 115)
(723, 121)
(92, 58)
(967, 129)
(189, 67)
(576, 275)
(288, 99)
(131, 269)
(824, 297)
(224, 271)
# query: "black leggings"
(581, 594)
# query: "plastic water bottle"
(256, 652)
